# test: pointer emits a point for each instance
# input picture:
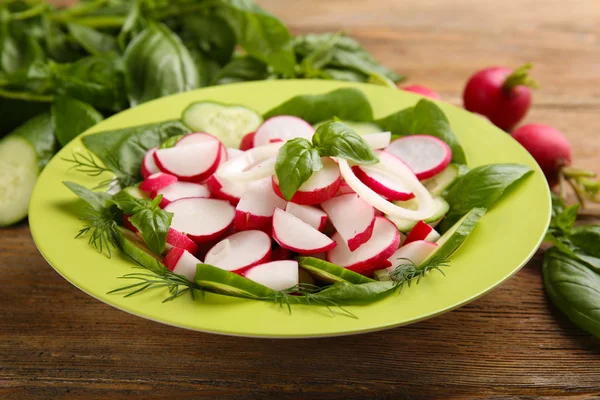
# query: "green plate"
(505, 239)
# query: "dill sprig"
(308, 294)
(88, 165)
(177, 285)
(101, 228)
(407, 271)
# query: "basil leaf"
(242, 69)
(336, 139)
(135, 23)
(211, 34)
(296, 162)
(59, 45)
(566, 218)
(587, 238)
(93, 41)
(345, 75)
(39, 132)
(72, 117)
(128, 203)
(347, 293)
(123, 150)
(347, 103)
(18, 49)
(481, 187)
(424, 118)
(96, 80)
(153, 224)
(574, 288)
(157, 64)
(97, 200)
(261, 34)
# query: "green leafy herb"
(158, 64)
(212, 35)
(177, 285)
(424, 118)
(406, 271)
(346, 103)
(336, 139)
(87, 164)
(96, 200)
(296, 162)
(170, 142)
(72, 117)
(481, 187)
(93, 41)
(242, 69)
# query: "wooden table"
(57, 342)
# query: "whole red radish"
(502, 96)
(423, 90)
(548, 146)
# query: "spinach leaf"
(574, 288)
(424, 118)
(212, 35)
(39, 132)
(97, 200)
(18, 49)
(93, 41)
(346, 103)
(72, 117)
(296, 162)
(242, 69)
(158, 64)
(96, 80)
(123, 150)
(262, 35)
(587, 238)
(481, 187)
(58, 44)
(344, 75)
(135, 23)
(336, 139)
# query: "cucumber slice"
(331, 273)
(362, 128)
(135, 191)
(439, 183)
(135, 249)
(18, 173)
(228, 122)
(217, 280)
(405, 225)
(455, 236)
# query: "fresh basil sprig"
(299, 158)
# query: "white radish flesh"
(352, 217)
(296, 235)
(283, 127)
(257, 205)
(240, 251)
(378, 140)
(194, 162)
(276, 275)
(202, 219)
(371, 255)
(383, 182)
(426, 155)
(181, 190)
(182, 262)
(148, 164)
(415, 252)
(255, 164)
(157, 181)
(311, 215)
(223, 189)
(196, 138)
(320, 187)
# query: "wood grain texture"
(57, 342)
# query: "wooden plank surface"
(57, 342)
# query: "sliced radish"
(182, 262)
(180, 240)
(294, 234)
(371, 255)
(352, 217)
(383, 182)
(233, 153)
(148, 164)
(422, 231)
(223, 189)
(378, 140)
(247, 141)
(426, 155)
(127, 224)
(311, 215)
(181, 190)
(415, 252)
(345, 188)
(276, 275)
(240, 251)
(320, 187)
(256, 207)
(196, 138)
(254, 164)
(192, 163)
(279, 253)
(284, 127)
(202, 219)
(157, 181)
(405, 175)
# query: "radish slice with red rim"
(415, 252)
(284, 128)
(405, 175)
(371, 255)
(202, 219)
(182, 262)
(240, 251)
(352, 217)
(253, 165)
(181, 190)
(149, 166)
(157, 181)
(223, 189)
(194, 162)
(320, 187)
(178, 239)
(296, 235)
(257, 205)
(383, 182)
(426, 155)
(313, 216)
(276, 275)
(422, 231)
